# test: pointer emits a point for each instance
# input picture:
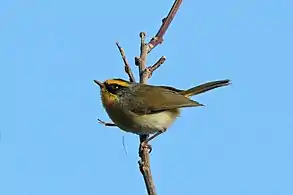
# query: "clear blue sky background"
(239, 144)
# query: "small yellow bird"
(147, 109)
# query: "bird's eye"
(113, 88)
(116, 86)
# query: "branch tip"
(142, 34)
(165, 24)
(127, 68)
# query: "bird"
(145, 109)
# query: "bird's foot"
(145, 145)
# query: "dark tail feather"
(205, 87)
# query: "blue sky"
(239, 144)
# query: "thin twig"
(157, 64)
(158, 39)
(154, 67)
(127, 68)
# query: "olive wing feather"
(152, 99)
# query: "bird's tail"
(205, 87)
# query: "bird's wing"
(149, 101)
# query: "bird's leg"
(145, 143)
(154, 136)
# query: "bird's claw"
(146, 145)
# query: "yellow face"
(109, 90)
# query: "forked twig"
(149, 70)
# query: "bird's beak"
(100, 84)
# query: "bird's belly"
(142, 124)
(160, 121)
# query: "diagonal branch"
(158, 39)
(157, 64)
(149, 70)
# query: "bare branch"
(158, 39)
(144, 75)
(127, 68)
(144, 162)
